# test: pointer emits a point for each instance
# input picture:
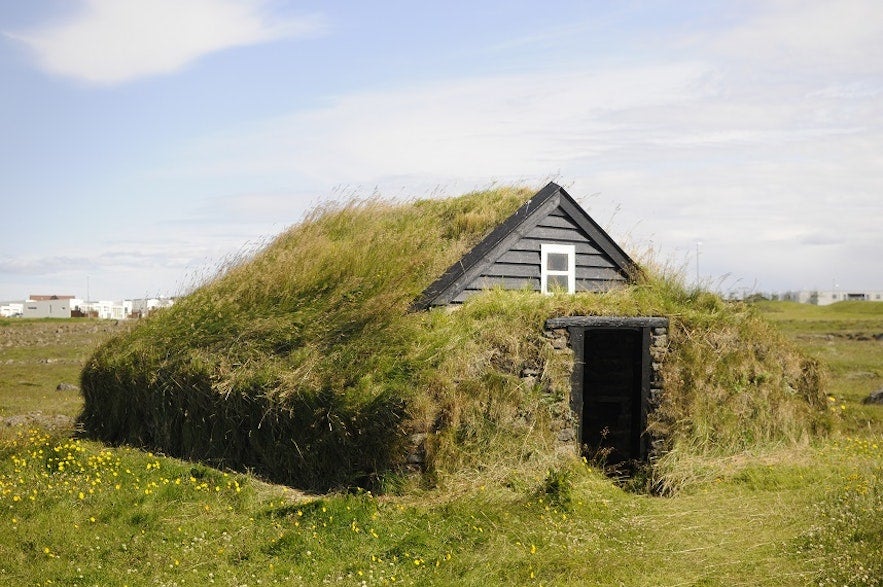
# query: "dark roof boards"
(512, 257)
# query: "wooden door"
(613, 415)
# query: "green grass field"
(76, 512)
(844, 337)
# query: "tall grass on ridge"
(295, 362)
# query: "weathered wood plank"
(598, 274)
(558, 222)
(512, 270)
(608, 322)
(524, 257)
(593, 261)
(521, 257)
(533, 258)
(533, 244)
(555, 235)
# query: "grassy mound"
(304, 365)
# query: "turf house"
(493, 334)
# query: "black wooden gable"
(509, 257)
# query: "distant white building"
(826, 298)
(803, 297)
(145, 306)
(55, 306)
(108, 309)
(46, 309)
(123, 309)
(10, 309)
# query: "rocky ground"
(79, 333)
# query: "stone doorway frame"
(654, 342)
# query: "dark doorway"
(613, 418)
(611, 384)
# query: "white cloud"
(114, 41)
(498, 127)
(138, 266)
(810, 35)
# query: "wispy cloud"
(495, 127)
(83, 261)
(124, 268)
(114, 41)
(809, 35)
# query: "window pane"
(556, 282)
(557, 261)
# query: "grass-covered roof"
(303, 363)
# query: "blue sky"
(146, 141)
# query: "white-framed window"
(557, 268)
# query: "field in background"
(39, 356)
(848, 338)
(74, 512)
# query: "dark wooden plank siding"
(557, 222)
(521, 256)
(590, 278)
(556, 235)
(584, 246)
(509, 257)
(513, 270)
(593, 261)
(519, 266)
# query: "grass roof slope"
(291, 362)
(303, 364)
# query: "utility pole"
(698, 244)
